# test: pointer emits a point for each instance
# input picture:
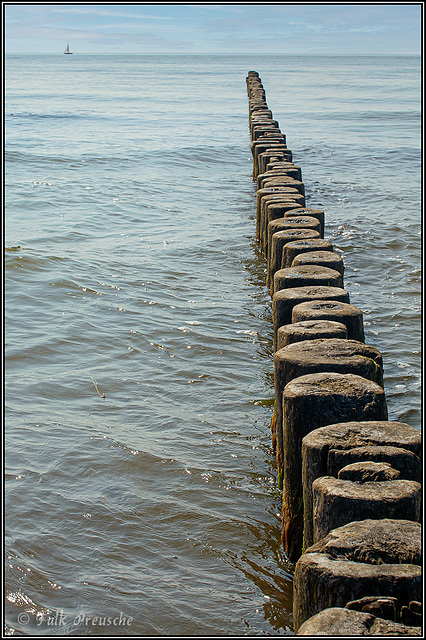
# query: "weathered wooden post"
(301, 246)
(283, 301)
(317, 356)
(309, 330)
(363, 558)
(348, 314)
(329, 259)
(325, 451)
(313, 213)
(358, 495)
(278, 239)
(309, 402)
(307, 275)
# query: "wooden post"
(330, 448)
(363, 558)
(313, 213)
(309, 402)
(338, 502)
(274, 208)
(348, 314)
(309, 330)
(301, 246)
(278, 239)
(317, 356)
(283, 301)
(324, 258)
(306, 275)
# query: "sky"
(311, 28)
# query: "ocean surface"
(141, 492)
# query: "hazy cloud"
(214, 28)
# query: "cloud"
(84, 11)
(221, 28)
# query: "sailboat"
(67, 50)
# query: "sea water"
(141, 494)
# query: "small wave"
(16, 258)
(203, 154)
(77, 161)
(49, 116)
(352, 116)
(74, 287)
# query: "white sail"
(67, 50)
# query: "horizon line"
(212, 53)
